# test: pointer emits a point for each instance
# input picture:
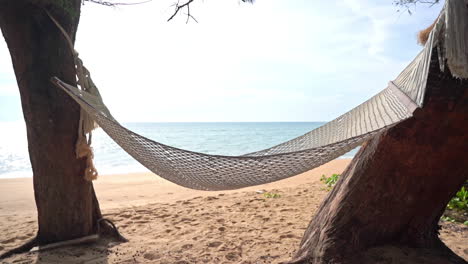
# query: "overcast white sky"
(296, 60)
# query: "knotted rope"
(87, 124)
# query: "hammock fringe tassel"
(87, 124)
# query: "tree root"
(21, 249)
(105, 227)
(71, 242)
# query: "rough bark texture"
(397, 187)
(66, 203)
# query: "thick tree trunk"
(66, 204)
(397, 187)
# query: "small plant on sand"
(457, 207)
(460, 201)
(271, 195)
(447, 219)
(330, 181)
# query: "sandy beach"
(166, 223)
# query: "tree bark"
(398, 185)
(66, 203)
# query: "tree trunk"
(66, 204)
(398, 185)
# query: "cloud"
(270, 60)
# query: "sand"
(166, 223)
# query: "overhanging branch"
(178, 7)
(107, 3)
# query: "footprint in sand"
(206, 258)
(8, 241)
(215, 244)
(287, 236)
(187, 246)
(125, 215)
(136, 217)
(151, 256)
(163, 216)
(232, 256)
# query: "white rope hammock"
(394, 104)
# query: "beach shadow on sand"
(94, 253)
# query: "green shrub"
(447, 219)
(271, 195)
(460, 201)
(457, 207)
(330, 181)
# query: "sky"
(273, 60)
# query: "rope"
(86, 125)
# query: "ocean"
(221, 138)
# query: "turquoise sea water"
(212, 138)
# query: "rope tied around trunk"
(87, 124)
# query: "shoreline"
(135, 189)
(108, 172)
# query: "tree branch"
(179, 7)
(106, 3)
(407, 3)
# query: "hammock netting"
(395, 103)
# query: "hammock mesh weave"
(202, 171)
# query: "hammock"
(395, 103)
